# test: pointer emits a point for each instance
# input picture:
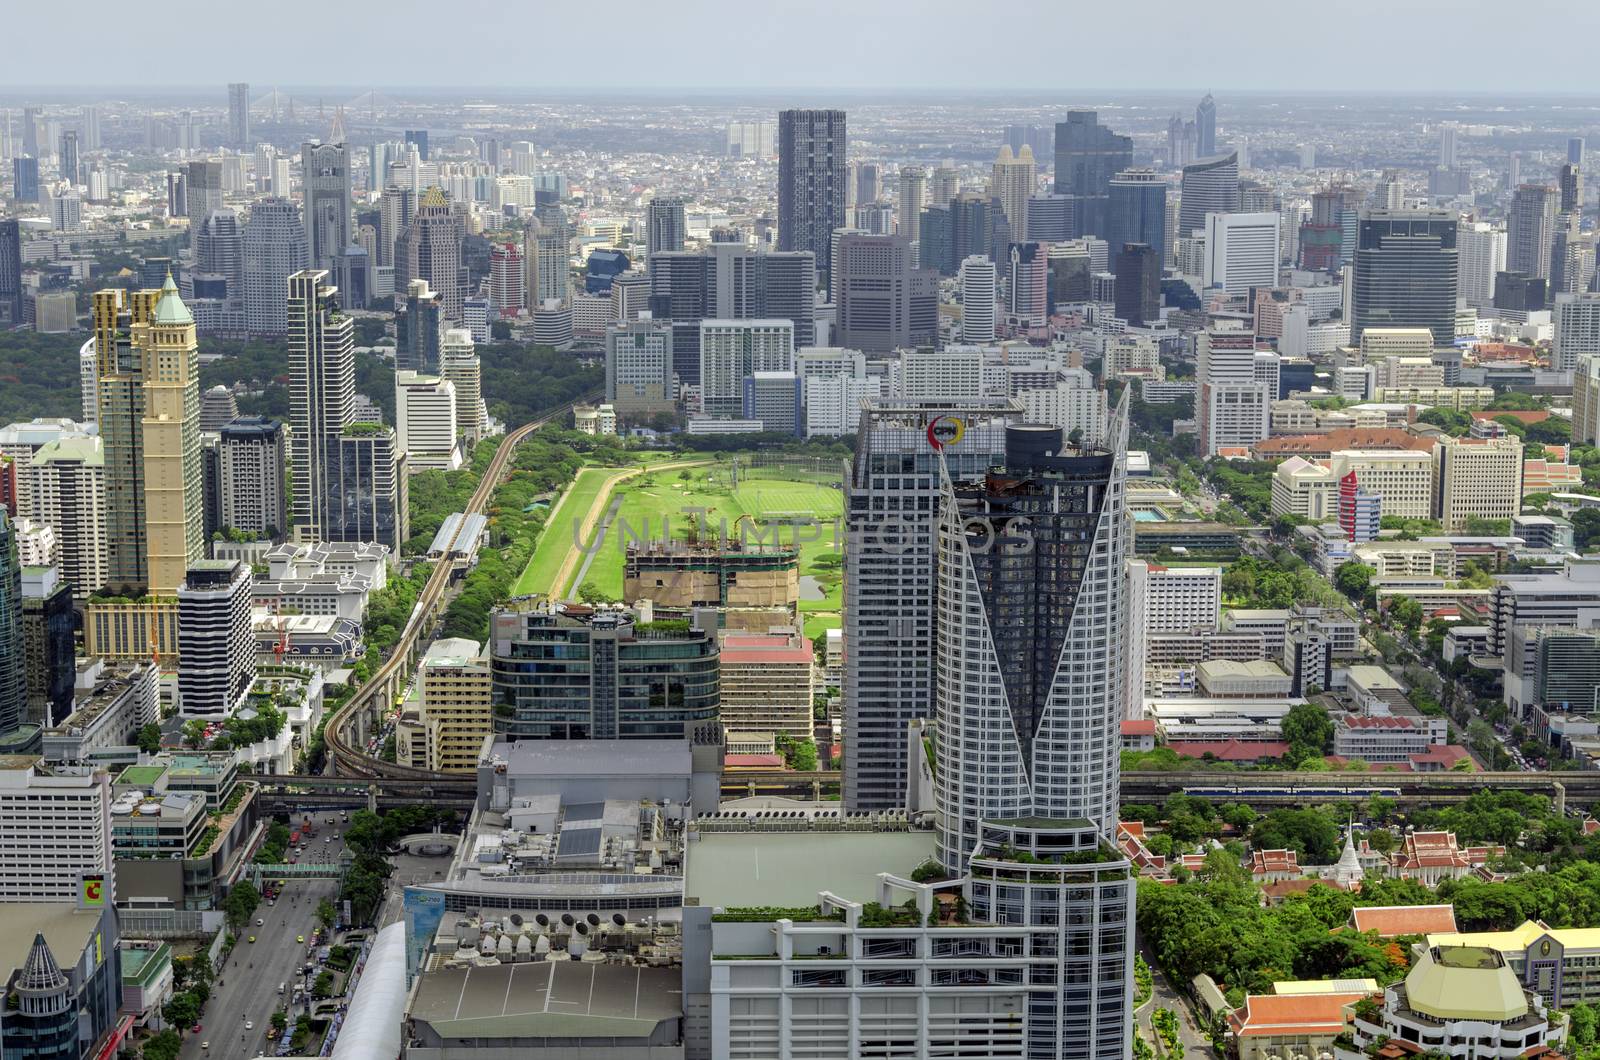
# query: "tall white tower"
(978, 310)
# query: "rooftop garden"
(760, 914)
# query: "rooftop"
(1392, 920)
(729, 869)
(556, 999)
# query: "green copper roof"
(169, 307)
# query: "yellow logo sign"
(94, 890)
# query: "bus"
(294, 839)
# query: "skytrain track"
(346, 756)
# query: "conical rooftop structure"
(170, 310)
(40, 972)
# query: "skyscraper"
(10, 272)
(321, 399)
(1088, 155)
(202, 189)
(1481, 248)
(216, 648)
(25, 179)
(67, 157)
(430, 249)
(1136, 210)
(913, 184)
(1238, 384)
(219, 251)
(419, 138)
(275, 248)
(419, 329)
(869, 182)
(730, 281)
(1405, 273)
(239, 114)
(891, 514)
(13, 677)
(664, 225)
(1031, 646)
(1530, 230)
(1138, 290)
(977, 299)
(1210, 185)
(1570, 183)
(172, 481)
(812, 146)
(1241, 251)
(1205, 125)
(884, 302)
(1012, 183)
(325, 173)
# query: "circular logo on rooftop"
(945, 430)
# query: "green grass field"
(556, 541)
(651, 499)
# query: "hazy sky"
(1480, 46)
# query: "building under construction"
(678, 575)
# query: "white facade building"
(1241, 251)
(979, 309)
(425, 421)
(1480, 254)
(58, 830)
(732, 350)
(1577, 330)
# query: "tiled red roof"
(1521, 416)
(1142, 727)
(1392, 920)
(753, 761)
(1280, 1014)
(1231, 750)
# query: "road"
(1164, 996)
(247, 984)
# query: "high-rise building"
(10, 272)
(239, 114)
(812, 147)
(1088, 156)
(1136, 210)
(750, 139)
(1042, 632)
(14, 735)
(953, 233)
(66, 816)
(30, 130)
(868, 182)
(639, 376)
(149, 424)
(325, 177)
(508, 279)
(1012, 184)
(1205, 127)
(1138, 292)
(978, 305)
(430, 249)
(64, 487)
(883, 301)
(664, 226)
(944, 184)
(1237, 388)
(67, 167)
(25, 179)
(1586, 401)
(48, 629)
(219, 256)
(1577, 330)
(252, 459)
(548, 253)
(730, 281)
(1481, 255)
(891, 514)
(1405, 273)
(202, 193)
(1449, 154)
(321, 400)
(1531, 229)
(458, 362)
(1570, 184)
(731, 351)
(612, 681)
(1477, 478)
(1028, 302)
(1210, 185)
(425, 421)
(1241, 251)
(395, 210)
(419, 139)
(216, 647)
(419, 329)
(372, 493)
(913, 184)
(275, 247)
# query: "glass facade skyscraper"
(1405, 273)
(812, 179)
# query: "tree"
(183, 1010)
(1448, 420)
(240, 905)
(1353, 579)
(1407, 612)
(164, 1046)
(194, 733)
(1381, 839)
(1309, 832)
(1380, 808)
(1309, 731)
(326, 913)
(149, 738)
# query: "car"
(301, 939)
(205, 1046)
(260, 922)
(196, 1029)
(252, 938)
(249, 1026)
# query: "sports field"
(656, 502)
(556, 541)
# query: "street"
(1164, 996)
(246, 986)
